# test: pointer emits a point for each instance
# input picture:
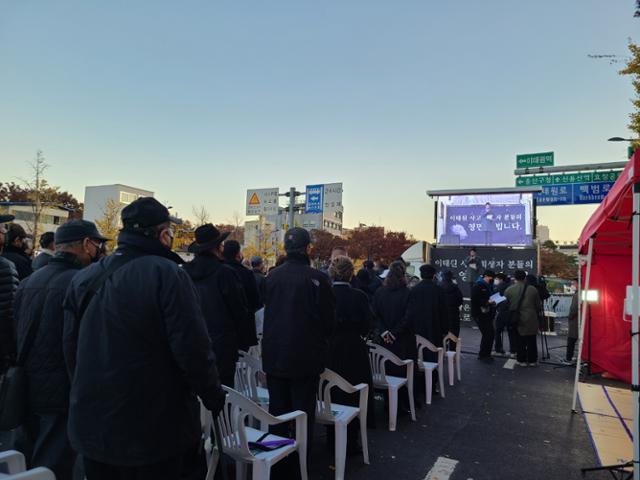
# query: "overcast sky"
(200, 100)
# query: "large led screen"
(499, 219)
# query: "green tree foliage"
(633, 69)
(364, 243)
(13, 192)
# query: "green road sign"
(567, 178)
(527, 160)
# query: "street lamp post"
(630, 149)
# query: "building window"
(126, 197)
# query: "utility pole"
(292, 194)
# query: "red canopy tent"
(611, 241)
(610, 229)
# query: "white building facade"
(97, 197)
(51, 217)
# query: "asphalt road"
(498, 423)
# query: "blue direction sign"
(573, 194)
(314, 199)
(590, 192)
(555, 195)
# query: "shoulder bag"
(514, 315)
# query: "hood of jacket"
(202, 266)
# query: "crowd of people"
(118, 348)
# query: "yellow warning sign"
(254, 200)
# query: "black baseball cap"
(146, 212)
(5, 218)
(296, 239)
(75, 230)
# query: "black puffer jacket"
(8, 286)
(19, 259)
(224, 308)
(299, 319)
(138, 358)
(40, 297)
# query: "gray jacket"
(530, 309)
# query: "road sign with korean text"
(262, 201)
(530, 160)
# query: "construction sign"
(262, 201)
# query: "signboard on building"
(506, 260)
(314, 199)
(262, 201)
(530, 160)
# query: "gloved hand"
(215, 401)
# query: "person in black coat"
(257, 267)
(8, 286)
(39, 308)
(138, 357)
(348, 352)
(299, 320)
(15, 250)
(362, 281)
(390, 308)
(454, 299)
(427, 310)
(233, 258)
(392, 324)
(47, 251)
(223, 303)
(482, 312)
(375, 281)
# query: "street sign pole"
(292, 203)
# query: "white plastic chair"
(12, 462)
(212, 454)
(236, 436)
(453, 356)
(39, 473)
(378, 356)
(328, 413)
(248, 371)
(429, 367)
(256, 350)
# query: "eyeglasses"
(101, 246)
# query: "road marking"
(442, 469)
(510, 364)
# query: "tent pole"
(583, 315)
(635, 312)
